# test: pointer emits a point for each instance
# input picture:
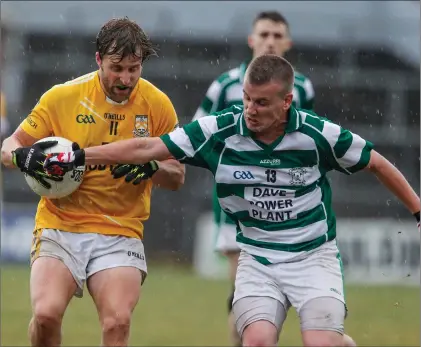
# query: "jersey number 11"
(113, 127)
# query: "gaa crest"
(297, 176)
(141, 126)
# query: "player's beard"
(112, 90)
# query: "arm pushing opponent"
(133, 151)
(144, 150)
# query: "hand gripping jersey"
(80, 111)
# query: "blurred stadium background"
(363, 59)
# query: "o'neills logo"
(114, 116)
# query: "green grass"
(178, 308)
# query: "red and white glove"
(61, 163)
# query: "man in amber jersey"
(95, 234)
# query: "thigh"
(256, 279)
(255, 284)
(252, 309)
(323, 314)
(115, 291)
(115, 273)
(117, 251)
(71, 249)
(318, 275)
(51, 287)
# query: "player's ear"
(98, 59)
(288, 101)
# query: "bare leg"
(115, 292)
(52, 287)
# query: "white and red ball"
(71, 180)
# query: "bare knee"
(47, 318)
(315, 338)
(117, 323)
(260, 334)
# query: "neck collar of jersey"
(110, 101)
(294, 123)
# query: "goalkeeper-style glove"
(135, 173)
(30, 160)
(61, 163)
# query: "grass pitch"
(179, 308)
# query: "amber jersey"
(79, 110)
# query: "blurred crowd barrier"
(373, 252)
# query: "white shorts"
(85, 254)
(295, 283)
(226, 238)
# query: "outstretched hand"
(135, 173)
(61, 163)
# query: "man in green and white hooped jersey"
(270, 35)
(224, 92)
(271, 179)
(270, 161)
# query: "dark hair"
(124, 37)
(270, 67)
(274, 16)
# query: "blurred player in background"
(95, 234)
(270, 163)
(270, 35)
(4, 123)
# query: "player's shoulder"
(151, 93)
(235, 110)
(300, 78)
(224, 118)
(313, 120)
(72, 88)
(304, 84)
(230, 76)
(227, 116)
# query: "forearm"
(9, 145)
(393, 179)
(170, 175)
(133, 151)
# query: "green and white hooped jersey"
(279, 193)
(227, 90)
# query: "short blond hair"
(270, 67)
